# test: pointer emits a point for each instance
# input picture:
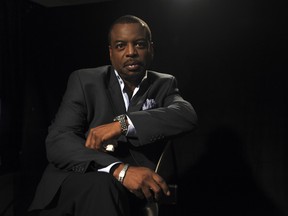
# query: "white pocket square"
(149, 104)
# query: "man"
(110, 129)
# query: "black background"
(230, 60)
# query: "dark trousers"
(93, 194)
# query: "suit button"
(81, 169)
(78, 168)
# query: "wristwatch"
(122, 120)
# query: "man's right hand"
(99, 135)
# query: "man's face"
(130, 50)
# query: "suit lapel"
(116, 99)
(138, 99)
(114, 94)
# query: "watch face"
(120, 117)
(122, 121)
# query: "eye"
(141, 44)
(120, 45)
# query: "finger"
(88, 141)
(162, 184)
(148, 193)
(91, 140)
(155, 190)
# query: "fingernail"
(168, 193)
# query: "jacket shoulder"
(97, 71)
(157, 74)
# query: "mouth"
(132, 65)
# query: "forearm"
(164, 122)
(67, 149)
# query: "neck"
(132, 82)
(129, 88)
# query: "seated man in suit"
(110, 129)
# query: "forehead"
(128, 31)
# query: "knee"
(100, 182)
(92, 177)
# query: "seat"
(166, 167)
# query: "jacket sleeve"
(173, 115)
(65, 143)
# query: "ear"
(110, 51)
(152, 49)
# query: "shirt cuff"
(107, 169)
(131, 129)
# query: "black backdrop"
(230, 59)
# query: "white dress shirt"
(131, 129)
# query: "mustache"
(131, 62)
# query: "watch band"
(123, 173)
(122, 120)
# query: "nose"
(131, 50)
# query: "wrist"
(122, 119)
(114, 168)
(117, 170)
(120, 175)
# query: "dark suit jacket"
(93, 97)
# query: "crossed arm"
(141, 181)
(67, 145)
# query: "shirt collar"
(122, 84)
